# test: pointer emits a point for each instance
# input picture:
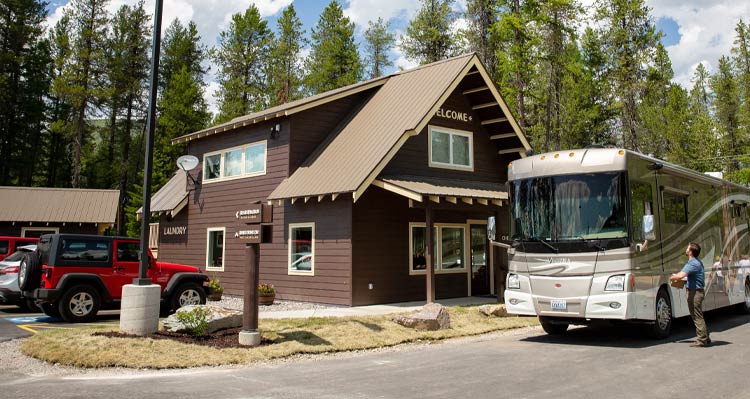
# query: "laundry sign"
(453, 114)
(175, 230)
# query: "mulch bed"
(228, 338)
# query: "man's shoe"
(698, 345)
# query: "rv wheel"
(553, 328)
(663, 322)
(745, 306)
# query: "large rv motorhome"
(596, 233)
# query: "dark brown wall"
(9, 229)
(381, 249)
(215, 204)
(413, 157)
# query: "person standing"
(695, 274)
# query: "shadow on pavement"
(626, 335)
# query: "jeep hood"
(177, 268)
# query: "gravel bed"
(236, 303)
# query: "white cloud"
(706, 29)
(362, 11)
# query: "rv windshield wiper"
(590, 241)
(545, 243)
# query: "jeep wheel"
(79, 304)
(29, 272)
(28, 305)
(50, 309)
(188, 294)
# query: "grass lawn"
(286, 337)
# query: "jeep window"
(4, 247)
(85, 250)
(128, 251)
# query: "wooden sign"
(252, 234)
(255, 213)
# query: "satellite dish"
(187, 162)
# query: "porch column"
(430, 272)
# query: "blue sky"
(695, 31)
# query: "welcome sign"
(453, 114)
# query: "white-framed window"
(215, 240)
(449, 243)
(232, 163)
(38, 231)
(450, 148)
(302, 249)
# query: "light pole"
(148, 167)
(139, 309)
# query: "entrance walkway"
(371, 310)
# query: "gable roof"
(170, 198)
(69, 205)
(349, 160)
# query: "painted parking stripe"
(31, 319)
(35, 328)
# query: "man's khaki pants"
(695, 304)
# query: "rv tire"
(663, 321)
(552, 328)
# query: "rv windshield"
(588, 206)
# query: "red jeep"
(72, 276)
(8, 245)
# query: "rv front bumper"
(520, 303)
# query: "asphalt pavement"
(590, 362)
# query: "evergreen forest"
(74, 96)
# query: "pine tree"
(726, 109)
(657, 126)
(701, 130)
(24, 60)
(516, 58)
(556, 23)
(629, 36)
(378, 42)
(80, 80)
(182, 108)
(56, 151)
(741, 58)
(242, 58)
(334, 61)
(428, 37)
(285, 78)
(181, 46)
(482, 15)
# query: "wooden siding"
(413, 157)
(381, 249)
(214, 205)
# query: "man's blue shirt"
(695, 274)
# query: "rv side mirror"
(648, 227)
(491, 228)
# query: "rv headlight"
(615, 283)
(513, 282)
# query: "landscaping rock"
(218, 318)
(433, 316)
(494, 310)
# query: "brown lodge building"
(353, 177)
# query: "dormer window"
(451, 149)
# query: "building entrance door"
(480, 260)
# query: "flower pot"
(266, 299)
(215, 295)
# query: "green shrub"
(195, 320)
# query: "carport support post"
(430, 272)
(250, 336)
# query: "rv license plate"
(559, 304)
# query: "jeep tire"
(29, 272)
(50, 309)
(79, 304)
(188, 294)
